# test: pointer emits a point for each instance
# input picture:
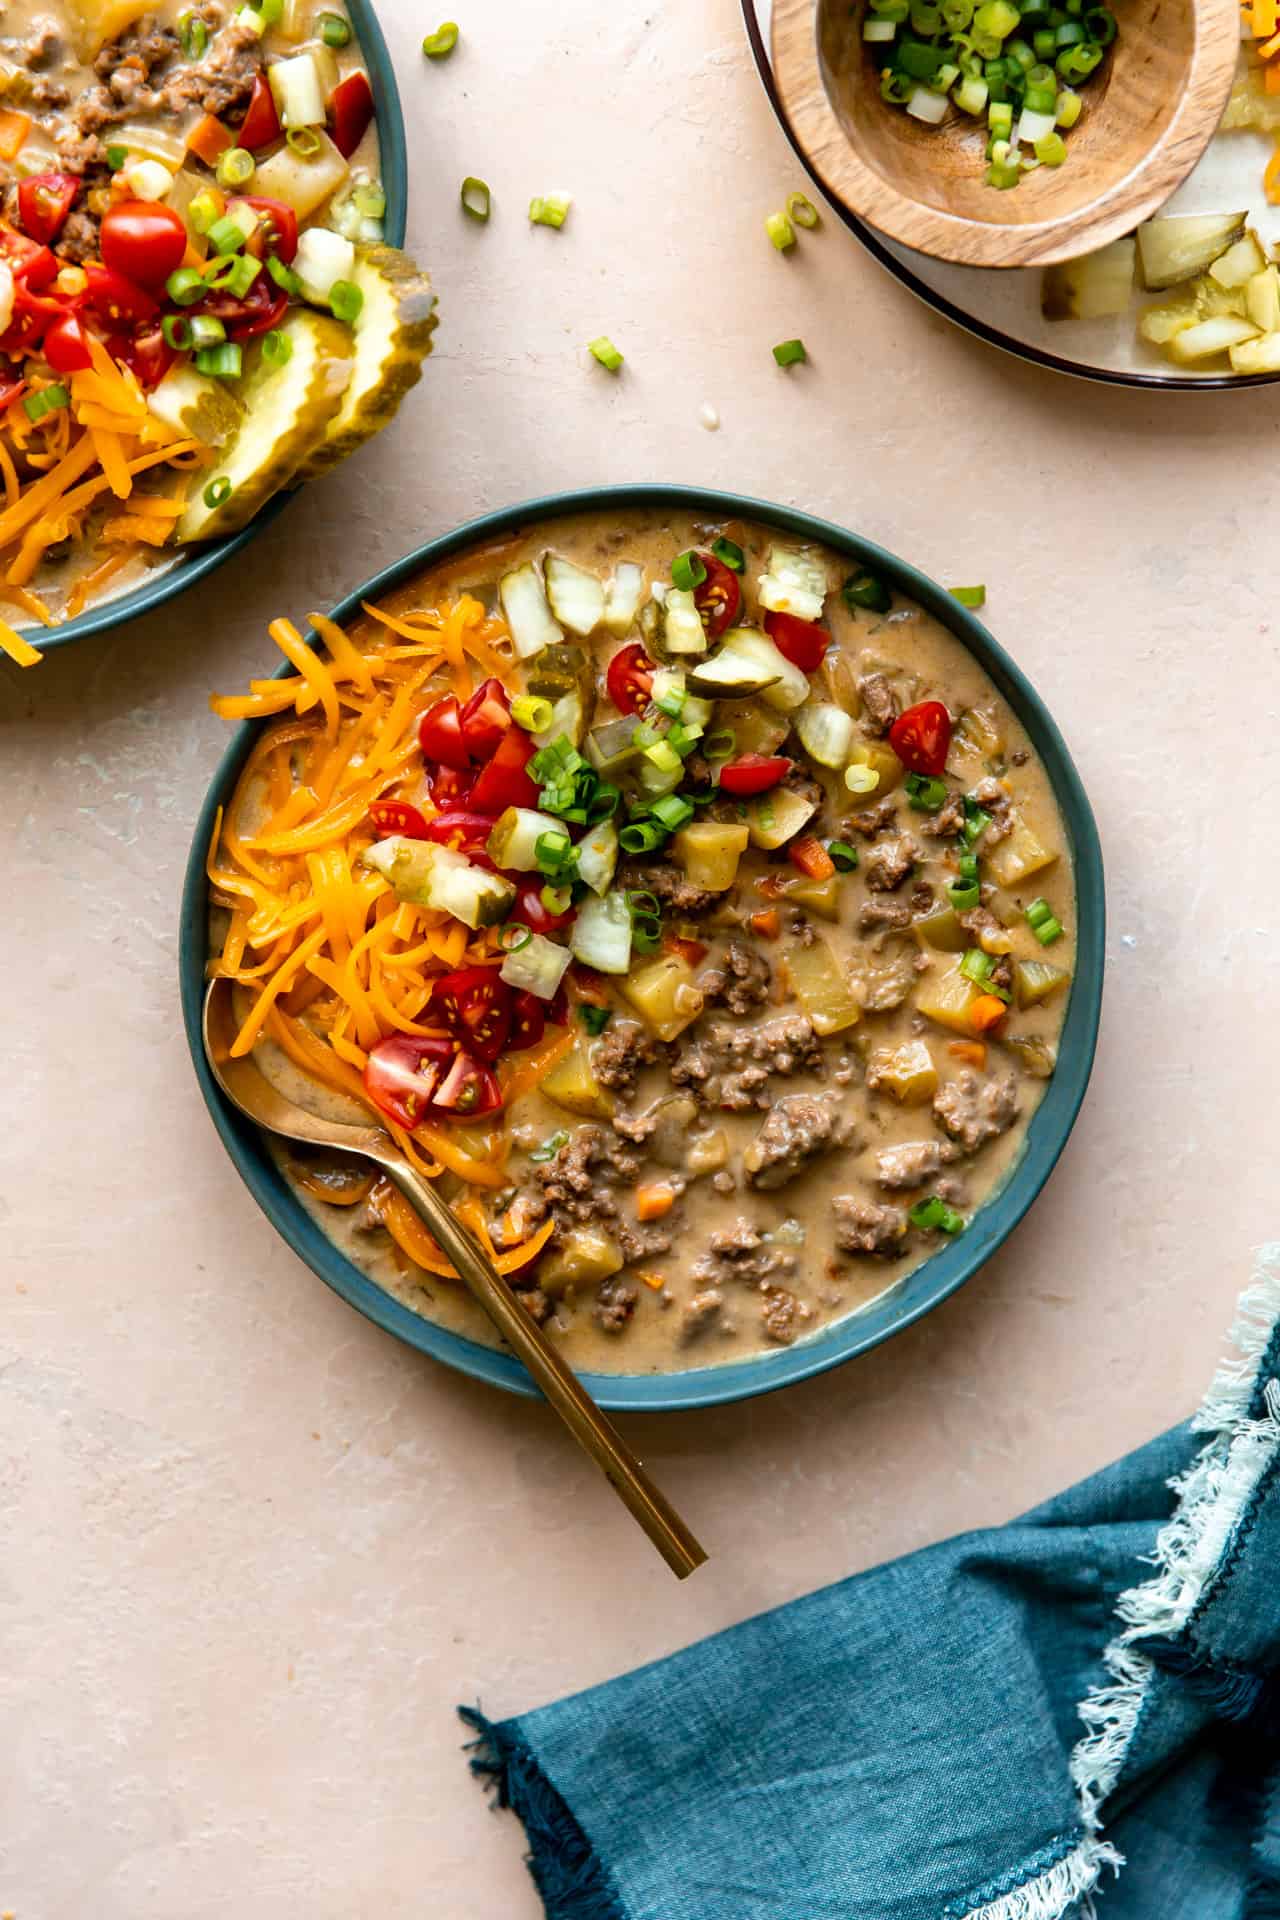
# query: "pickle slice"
(392, 339)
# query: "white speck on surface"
(1128, 939)
(708, 417)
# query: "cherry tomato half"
(146, 351)
(503, 782)
(440, 735)
(719, 596)
(44, 201)
(65, 346)
(33, 315)
(449, 788)
(629, 679)
(144, 240)
(460, 828)
(276, 231)
(116, 301)
(530, 912)
(469, 1091)
(485, 719)
(528, 1021)
(351, 109)
(399, 816)
(27, 260)
(921, 737)
(799, 641)
(261, 123)
(10, 388)
(754, 773)
(475, 1005)
(402, 1072)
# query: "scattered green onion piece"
(866, 590)
(304, 141)
(801, 210)
(641, 836)
(976, 821)
(687, 571)
(594, 1019)
(646, 921)
(49, 400)
(117, 157)
(185, 286)
(1070, 107)
(1000, 119)
(730, 555)
(683, 738)
(672, 703)
(969, 596)
(531, 712)
(206, 330)
(217, 491)
(1051, 150)
(176, 329)
(780, 231)
(194, 36)
(553, 853)
(721, 745)
(997, 18)
(235, 168)
(663, 756)
(936, 1213)
(673, 811)
(556, 899)
(843, 857)
(1077, 63)
(603, 803)
(549, 209)
(239, 276)
(334, 30)
(285, 278)
(345, 301)
(223, 362)
(1043, 922)
(225, 236)
(790, 353)
(925, 794)
(370, 201)
(277, 348)
(605, 352)
(476, 198)
(552, 1145)
(976, 966)
(514, 936)
(440, 44)
(202, 212)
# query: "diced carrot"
(811, 857)
(209, 138)
(652, 1202)
(14, 128)
(973, 1052)
(654, 1280)
(1271, 77)
(986, 1013)
(767, 924)
(1271, 178)
(772, 885)
(1269, 47)
(691, 950)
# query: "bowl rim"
(938, 1277)
(1135, 196)
(394, 163)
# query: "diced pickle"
(946, 997)
(709, 853)
(907, 1071)
(977, 733)
(1018, 857)
(1035, 1056)
(613, 746)
(1093, 287)
(822, 988)
(1177, 247)
(392, 339)
(586, 1255)
(1036, 980)
(559, 669)
(664, 995)
(756, 728)
(707, 1153)
(819, 896)
(573, 1086)
(942, 930)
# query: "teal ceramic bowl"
(922, 1290)
(195, 563)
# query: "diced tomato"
(485, 719)
(143, 240)
(528, 1021)
(475, 1005)
(147, 352)
(470, 1090)
(117, 302)
(691, 950)
(811, 858)
(629, 679)
(754, 773)
(261, 316)
(557, 1010)
(460, 828)
(719, 596)
(799, 641)
(503, 782)
(530, 912)
(351, 109)
(399, 816)
(402, 1072)
(65, 346)
(921, 737)
(261, 123)
(440, 735)
(450, 788)
(44, 201)
(33, 315)
(27, 260)
(10, 388)
(276, 231)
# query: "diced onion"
(793, 582)
(538, 966)
(601, 936)
(524, 606)
(323, 258)
(148, 180)
(576, 596)
(622, 598)
(298, 90)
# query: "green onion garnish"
(440, 44)
(476, 198)
(531, 712)
(646, 922)
(969, 596)
(976, 821)
(176, 329)
(514, 936)
(605, 352)
(556, 899)
(305, 142)
(866, 590)
(780, 231)
(235, 168)
(549, 210)
(964, 894)
(936, 1213)
(285, 278)
(226, 236)
(185, 286)
(843, 857)
(730, 554)
(194, 36)
(640, 837)
(802, 211)
(687, 571)
(222, 361)
(238, 275)
(371, 202)
(976, 966)
(554, 854)
(206, 331)
(345, 301)
(48, 400)
(595, 1019)
(277, 348)
(217, 491)
(673, 811)
(550, 1147)
(603, 803)
(1043, 922)
(925, 793)
(720, 745)
(334, 30)
(790, 353)
(117, 157)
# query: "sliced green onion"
(440, 44)
(1070, 107)
(550, 1147)
(531, 712)
(605, 352)
(1077, 63)
(194, 36)
(594, 1019)
(553, 853)
(673, 811)
(935, 1213)
(117, 158)
(226, 236)
(206, 330)
(976, 821)
(239, 276)
(720, 745)
(663, 756)
(802, 211)
(780, 231)
(277, 348)
(235, 168)
(1051, 150)
(683, 738)
(646, 921)
(217, 491)
(603, 803)
(345, 301)
(790, 353)
(925, 794)
(866, 590)
(222, 361)
(476, 198)
(556, 899)
(687, 571)
(514, 936)
(185, 286)
(334, 30)
(640, 837)
(48, 400)
(964, 894)
(176, 329)
(305, 142)
(730, 554)
(1043, 922)
(843, 857)
(969, 596)
(976, 966)
(549, 209)
(285, 278)
(370, 201)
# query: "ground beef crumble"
(889, 862)
(731, 1066)
(864, 1227)
(621, 1051)
(798, 1128)
(974, 1109)
(742, 982)
(879, 704)
(667, 884)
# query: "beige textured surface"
(253, 1551)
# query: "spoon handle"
(593, 1431)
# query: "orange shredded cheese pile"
(329, 961)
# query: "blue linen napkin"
(907, 1745)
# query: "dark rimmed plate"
(1003, 307)
(922, 1290)
(195, 563)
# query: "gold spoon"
(248, 1088)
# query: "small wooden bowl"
(1148, 117)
